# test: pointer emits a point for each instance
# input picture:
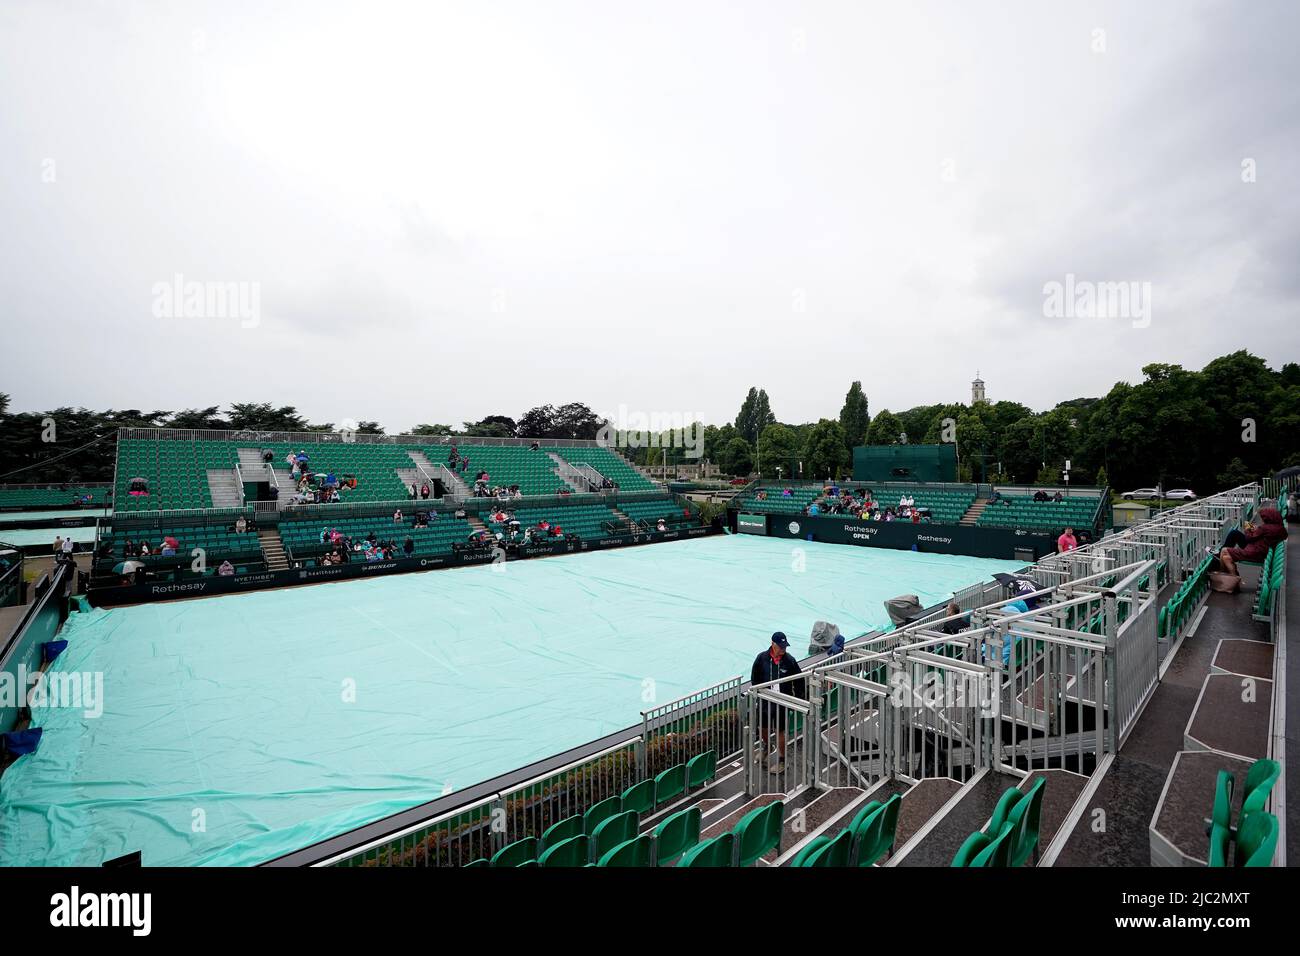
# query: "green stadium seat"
(997, 852)
(613, 831)
(1257, 840)
(973, 846)
(572, 852)
(1023, 822)
(515, 853)
(718, 852)
(1010, 797)
(759, 833)
(599, 813)
(834, 852)
(875, 835)
(810, 850)
(701, 769)
(1222, 812)
(670, 783)
(1260, 778)
(640, 797)
(636, 852)
(677, 834)
(566, 829)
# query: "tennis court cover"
(234, 729)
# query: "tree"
(576, 420)
(369, 428)
(1236, 474)
(488, 429)
(755, 415)
(737, 457)
(778, 448)
(538, 422)
(436, 431)
(826, 452)
(262, 416)
(884, 429)
(854, 418)
(205, 419)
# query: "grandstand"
(193, 486)
(946, 504)
(45, 496)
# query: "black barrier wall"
(975, 542)
(22, 652)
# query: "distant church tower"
(977, 390)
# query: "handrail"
(254, 436)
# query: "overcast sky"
(455, 210)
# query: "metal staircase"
(273, 549)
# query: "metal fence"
(709, 719)
(252, 437)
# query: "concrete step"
(273, 549)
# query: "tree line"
(1232, 421)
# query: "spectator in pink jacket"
(1067, 541)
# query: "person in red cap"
(775, 663)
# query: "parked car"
(1142, 493)
(1180, 494)
(739, 481)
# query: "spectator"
(1058, 497)
(1254, 543)
(773, 664)
(408, 546)
(957, 624)
(415, 492)
(69, 546)
(226, 569)
(661, 526)
(1067, 541)
(241, 525)
(424, 490)
(397, 516)
(58, 544)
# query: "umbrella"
(171, 542)
(127, 567)
(1286, 473)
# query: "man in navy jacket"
(775, 663)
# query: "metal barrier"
(709, 719)
(478, 829)
(774, 716)
(254, 437)
(11, 579)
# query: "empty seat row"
(1252, 840)
(1011, 836)
(863, 842)
(593, 836)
